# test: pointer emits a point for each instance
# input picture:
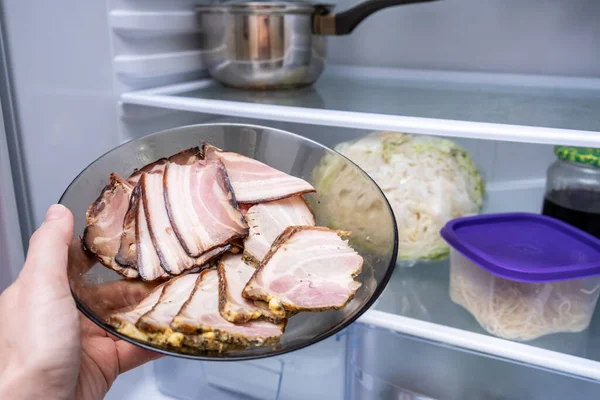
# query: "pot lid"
(266, 6)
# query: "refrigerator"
(505, 80)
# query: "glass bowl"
(99, 291)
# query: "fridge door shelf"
(534, 109)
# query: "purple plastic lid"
(525, 247)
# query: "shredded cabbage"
(427, 180)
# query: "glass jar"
(573, 188)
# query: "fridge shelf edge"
(167, 97)
(488, 345)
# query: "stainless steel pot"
(275, 44)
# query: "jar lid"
(581, 155)
(523, 247)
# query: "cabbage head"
(427, 180)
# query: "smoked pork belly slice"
(307, 269)
(187, 157)
(253, 181)
(127, 256)
(234, 274)
(148, 263)
(173, 258)
(201, 323)
(102, 235)
(156, 166)
(201, 206)
(268, 220)
(244, 208)
(156, 322)
(124, 320)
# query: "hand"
(49, 350)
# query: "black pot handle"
(325, 23)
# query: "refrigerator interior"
(86, 77)
(11, 249)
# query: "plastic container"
(573, 188)
(523, 276)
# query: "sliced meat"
(156, 166)
(268, 220)
(234, 274)
(307, 269)
(124, 320)
(148, 263)
(102, 236)
(199, 320)
(156, 322)
(201, 206)
(253, 181)
(244, 208)
(173, 258)
(187, 157)
(127, 256)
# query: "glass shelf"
(537, 109)
(421, 292)
(416, 302)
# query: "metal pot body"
(262, 50)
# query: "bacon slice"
(187, 157)
(307, 269)
(173, 257)
(200, 322)
(127, 256)
(102, 236)
(148, 263)
(124, 320)
(201, 206)
(244, 208)
(253, 181)
(268, 220)
(234, 274)
(156, 166)
(156, 322)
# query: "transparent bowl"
(99, 291)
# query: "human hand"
(49, 350)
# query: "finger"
(131, 356)
(79, 260)
(48, 246)
(105, 298)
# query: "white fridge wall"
(11, 248)
(61, 70)
(533, 36)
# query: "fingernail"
(56, 211)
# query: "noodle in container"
(522, 275)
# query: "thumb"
(48, 247)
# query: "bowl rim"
(288, 349)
